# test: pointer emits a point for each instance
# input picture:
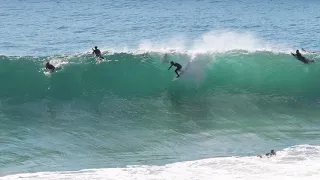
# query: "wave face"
(127, 110)
(142, 75)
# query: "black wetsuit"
(97, 52)
(178, 68)
(301, 58)
(50, 67)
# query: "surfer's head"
(96, 47)
(297, 51)
(172, 63)
(272, 152)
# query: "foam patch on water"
(298, 162)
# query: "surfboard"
(99, 60)
(176, 78)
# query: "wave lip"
(215, 41)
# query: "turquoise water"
(242, 92)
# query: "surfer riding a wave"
(178, 67)
(97, 52)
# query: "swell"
(128, 109)
(144, 75)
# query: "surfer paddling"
(178, 67)
(97, 52)
(301, 58)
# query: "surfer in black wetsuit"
(178, 67)
(299, 56)
(97, 52)
(50, 66)
(272, 153)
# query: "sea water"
(242, 93)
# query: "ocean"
(242, 92)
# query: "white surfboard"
(98, 60)
(176, 78)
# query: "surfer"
(303, 59)
(178, 67)
(271, 153)
(97, 52)
(165, 58)
(50, 66)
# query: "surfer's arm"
(170, 67)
